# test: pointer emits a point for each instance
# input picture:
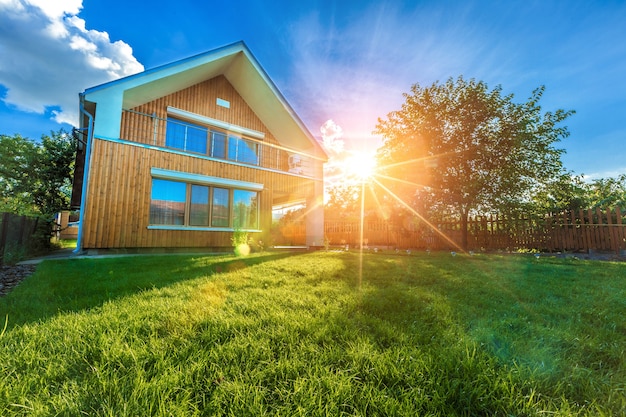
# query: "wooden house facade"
(184, 155)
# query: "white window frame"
(198, 118)
(190, 178)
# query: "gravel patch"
(12, 275)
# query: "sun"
(360, 165)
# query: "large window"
(168, 202)
(195, 138)
(178, 203)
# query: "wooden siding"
(118, 209)
(200, 99)
(119, 189)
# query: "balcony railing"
(213, 142)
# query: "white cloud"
(333, 143)
(49, 56)
(613, 173)
(58, 8)
(331, 137)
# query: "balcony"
(214, 142)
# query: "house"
(184, 155)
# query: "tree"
(608, 192)
(53, 173)
(344, 200)
(567, 192)
(563, 192)
(36, 177)
(17, 156)
(344, 203)
(467, 149)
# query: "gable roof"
(241, 69)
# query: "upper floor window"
(242, 150)
(186, 136)
(216, 143)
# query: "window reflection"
(168, 202)
(221, 200)
(245, 209)
(186, 136)
(218, 145)
(195, 138)
(199, 208)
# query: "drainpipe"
(83, 195)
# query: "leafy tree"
(563, 192)
(17, 156)
(52, 187)
(467, 149)
(567, 192)
(35, 177)
(344, 200)
(608, 192)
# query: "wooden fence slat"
(613, 231)
(621, 230)
(597, 219)
(590, 230)
(585, 229)
(570, 231)
(575, 230)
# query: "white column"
(315, 215)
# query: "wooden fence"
(580, 231)
(16, 233)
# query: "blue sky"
(345, 61)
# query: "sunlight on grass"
(282, 334)
(65, 243)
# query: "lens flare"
(360, 166)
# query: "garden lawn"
(304, 335)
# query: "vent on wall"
(223, 103)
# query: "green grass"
(297, 335)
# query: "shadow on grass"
(517, 324)
(73, 285)
(412, 298)
(402, 335)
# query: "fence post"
(621, 237)
(20, 239)
(4, 228)
(613, 232)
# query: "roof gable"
(241, 69)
